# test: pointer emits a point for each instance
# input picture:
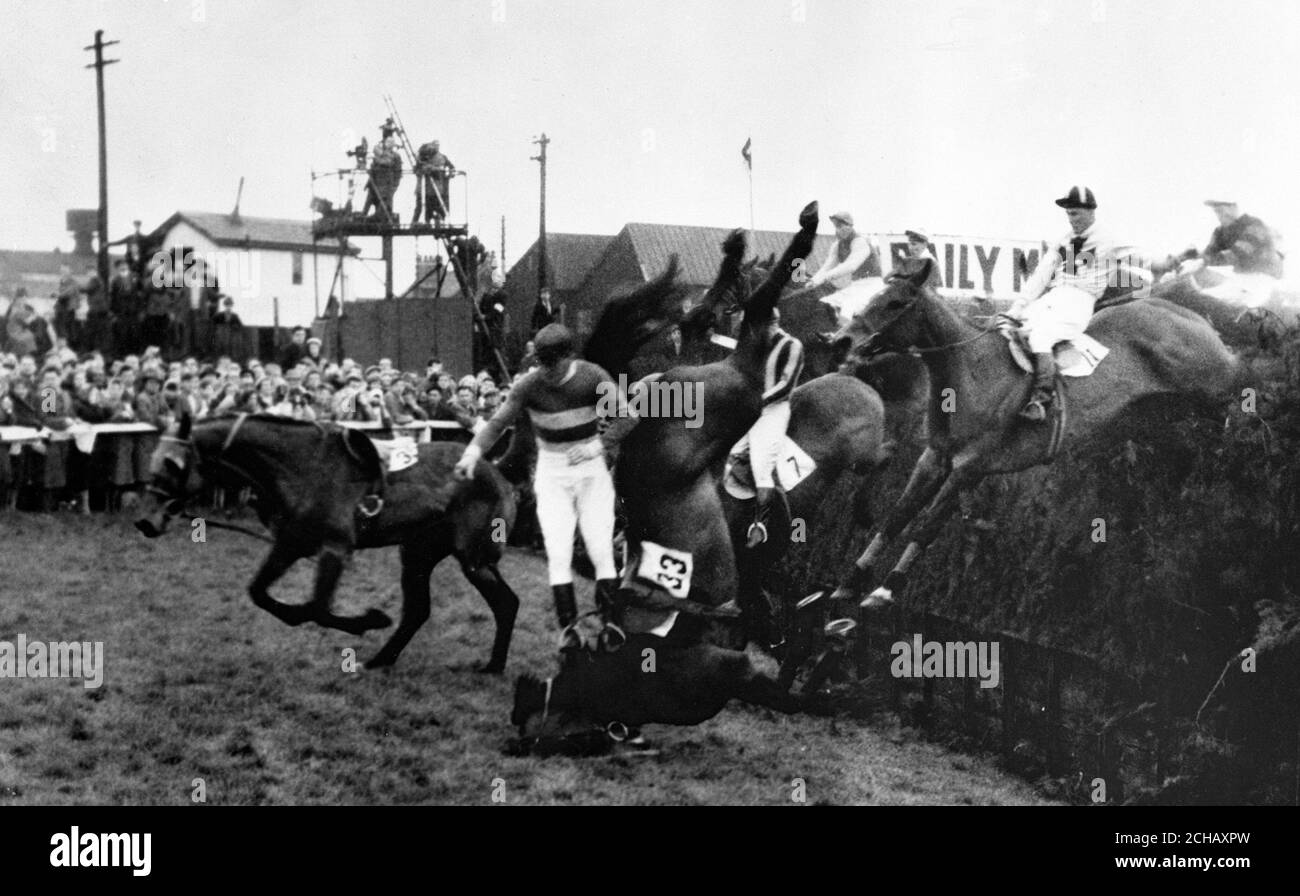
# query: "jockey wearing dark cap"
(1060, 297)
(572, 483)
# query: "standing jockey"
(572, 483)
(1060, 296)
(780, 376)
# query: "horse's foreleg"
(927, 528)
(417, 566)
(329, 567)
(275, 565)
(503, 602)
(927, 479)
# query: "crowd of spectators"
(57, 390)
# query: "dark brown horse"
(666, 476)
(1156, 349)
(310, 480)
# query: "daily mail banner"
(970, 266)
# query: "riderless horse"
(323, 493)
(1155, 348)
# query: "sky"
(961, 117)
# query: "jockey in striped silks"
(780, 376)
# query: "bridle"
(175, 504)
(872, 348)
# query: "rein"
(918, 350)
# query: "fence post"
(1053, 714)
(1008, 697)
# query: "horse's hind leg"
(503, 602)
(275, 565)
(928, 476)
(329, 567)
(927, 527)
(417, 566)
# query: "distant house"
(641, 252)
(265, 264)
(571, 256)
(587, 270)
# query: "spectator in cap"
(313, 351)
(918, 250)
(852, 267)
(292, 353)
(1059, 298)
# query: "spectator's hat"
(353, 377)
(150, 374)
(842, 218)
(1213, 203)
(467, 380)
(918, 234)
(372, 370)
(1078, 197)
(315, 339)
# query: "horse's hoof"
(839, 628)
(879, 599)
(374, 619)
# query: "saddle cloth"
(792, 467)
(397, 454)
(1077, 358)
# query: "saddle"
(1075, 358)
(793, 466)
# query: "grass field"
(199, 684)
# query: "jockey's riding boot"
(1044, 388)
(757, 533)
(566, 605)
(605, 599)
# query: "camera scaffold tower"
(341, 223)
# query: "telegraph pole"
(542, 262)
(98, 65)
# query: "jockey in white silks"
(1243, 251)
(1059, 298)
(852, 254)
(781, 373)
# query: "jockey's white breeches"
(764, 441)
(569, 496)
(849, 301)
(1058, 315)
(1251, 290)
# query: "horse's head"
(546, 729)
(169, 474)
(893, 320)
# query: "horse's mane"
(628, 322)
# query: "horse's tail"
(489, 499)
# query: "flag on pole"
(745, 153)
